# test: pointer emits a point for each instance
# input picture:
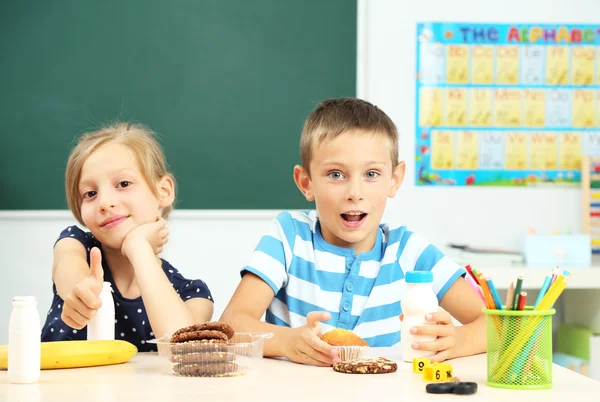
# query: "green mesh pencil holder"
(519, 348)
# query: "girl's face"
(115, 196)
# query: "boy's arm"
(301, 345)
(245, 309)
(69, 266)
(463, 304)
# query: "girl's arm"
(166, 311)
(78, 284)
(202, 309)
(70, 266)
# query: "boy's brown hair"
(141, 142)
(333, 117)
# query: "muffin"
(349, 345)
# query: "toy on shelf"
(590, 200)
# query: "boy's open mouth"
(353, 217)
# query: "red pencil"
(522, 300)
(470, 271)
(555, 274)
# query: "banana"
(72, 354)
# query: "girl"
(118, 187)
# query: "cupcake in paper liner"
(347, 353)
(349, 345)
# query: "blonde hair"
(141, 142)
(335, 116)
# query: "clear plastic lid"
(206, 359)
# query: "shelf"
(581, 278)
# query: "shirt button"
(349, 286)
(349, 265)
(346, 306)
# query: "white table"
(147, 377)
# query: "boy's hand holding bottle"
(304, 344)
(441, 327)
(84, 300)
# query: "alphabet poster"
(506, 104)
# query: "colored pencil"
(522, 300)
(494, 293)
(518, 286)
(509, 295)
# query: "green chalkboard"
(226, 84)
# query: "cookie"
(217, 326)
(198, 335)
(377, 365)
(206, 370)
(207, 326)
(202, 357)
(197, 346)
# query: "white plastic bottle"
(24, 341)
(102, 325)
(418, 301)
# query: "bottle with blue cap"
(418, 301)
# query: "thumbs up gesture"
(84, 300)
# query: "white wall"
(491, 217)
(199, 246)
(199, 242)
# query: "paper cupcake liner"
(351, 352)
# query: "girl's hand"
(305, 346)
(84, 300)
(446, 332)
(156, 234)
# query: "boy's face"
(115, 196)
(351, 177)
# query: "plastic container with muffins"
(349, 345)
(212, 349)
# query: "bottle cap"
(419, 277)
(24, 300)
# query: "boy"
(340, 266)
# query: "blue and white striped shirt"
(362, 292)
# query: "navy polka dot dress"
(131, 320)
